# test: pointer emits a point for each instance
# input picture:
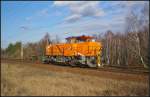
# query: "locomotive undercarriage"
(82, 61)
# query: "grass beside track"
(21, 79)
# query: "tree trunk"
(139, 51)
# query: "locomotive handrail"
(60, 49)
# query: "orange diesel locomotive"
(81, 50)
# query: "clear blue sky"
(28, 21)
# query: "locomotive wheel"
(90, 63)
(72, 62)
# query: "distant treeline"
(120, 49)
(29, 49)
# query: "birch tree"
(134, 22)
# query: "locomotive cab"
(80, 39)
(86, 46)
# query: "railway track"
(105, 68)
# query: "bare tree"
(108, 46)
(134, 23)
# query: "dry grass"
(25, 80)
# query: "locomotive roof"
(83, 37)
